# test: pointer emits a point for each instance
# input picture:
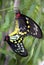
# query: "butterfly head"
(7, 38)
(18, 14)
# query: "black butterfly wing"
(17, 45)
(18, 48)
(26, 24)
(22, 23)
(34, 28)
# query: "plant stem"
(16, 4)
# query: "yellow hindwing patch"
(16, 29)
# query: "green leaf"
(36, 54)
(0, 35)
(6, 24)
(5, 52)
(28, 41)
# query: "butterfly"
(25, 26)
(16, 43)
(28, 26)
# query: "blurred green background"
(34, 46)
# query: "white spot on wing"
(22, 50)
(35, 29)
(15, 46)
(21, 44)
(15, 50)
(14, 37)
(27, 18)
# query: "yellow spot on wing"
(21, 33)
(19, 41)
(27, 30)
(27, 22)
(28, 26)
(11, 40)
(15, 42)
(20, 38)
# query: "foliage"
(34, 46)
